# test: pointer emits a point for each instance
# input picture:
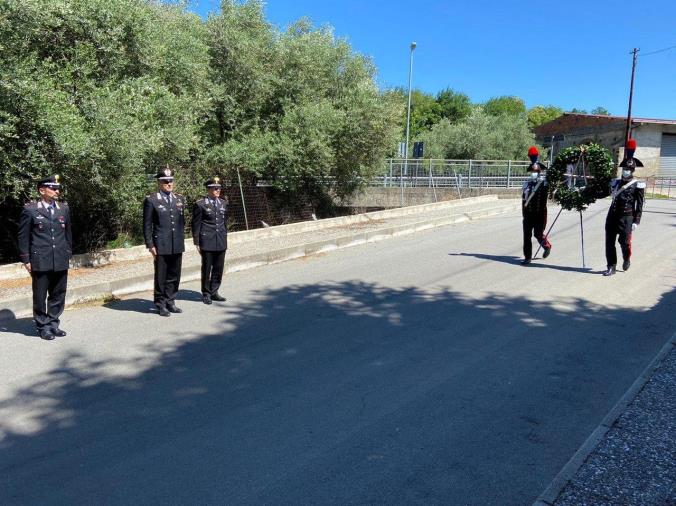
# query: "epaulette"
(30, 205)
(640, 184)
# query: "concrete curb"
(15, 270)
(552, 492)
(23, 307)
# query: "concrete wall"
(391, 197)
(648, 137)
(649, 140)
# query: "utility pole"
(631, 94)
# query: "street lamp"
(408, 113)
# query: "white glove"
(633, 226)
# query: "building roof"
(571, 122)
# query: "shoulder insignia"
(31, 205)
(641, 184)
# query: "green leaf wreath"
(592, 160)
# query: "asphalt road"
(429, 369)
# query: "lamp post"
(408, 115)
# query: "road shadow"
(10, 324)
(514, 260)
(137, 305)
(330, 393)
(133, 305)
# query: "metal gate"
(668, 156)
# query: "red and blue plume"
(533, 154)
(630, 148)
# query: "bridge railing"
(432, 173)
(661, 187)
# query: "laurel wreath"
(599, 171)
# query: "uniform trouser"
(49, 298)
(534, 224)
(167, 278)
(618, 227)
(212, 271)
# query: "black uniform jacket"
(45, 241)
(538, 202)
(209, 225)
(628, 201)
(163, 223)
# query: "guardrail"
(659, 186)
(453, 173)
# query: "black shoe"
(525, 261)
(547, 252)
(217, 298)
(173, 309)
(163, 311)
(625, 265)
(59, 333)
(47, 335)
(610, 271)
(206, 299)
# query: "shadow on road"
(23, 326)
(136, 305)
(332, 393)
(513, 260)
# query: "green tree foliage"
(542, 114)
(98, 91)
(454, 106)
(509, 105)
(480, 136)
(105, 92)
(600, 111)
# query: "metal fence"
(661, 187)
(416, 173)
(479, 174)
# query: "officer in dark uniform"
(45, 247)
(625, 211)
(210, 235)
(534, 207)
(163, 222)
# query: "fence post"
(241, 192)
(390, 180)
(469, 179)
(434, 188)
(509, 174)
(401, 183)
(669, 189)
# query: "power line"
(659, 51)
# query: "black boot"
(610, 271)
(525, 261)
(626, 264)
(547, 252)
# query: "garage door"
(668, 156)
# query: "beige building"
(656, 138)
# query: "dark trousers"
(49, 298)
(618, 227)
(212, 271)
(534, 225)
(167, 278)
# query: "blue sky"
(568, 53)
